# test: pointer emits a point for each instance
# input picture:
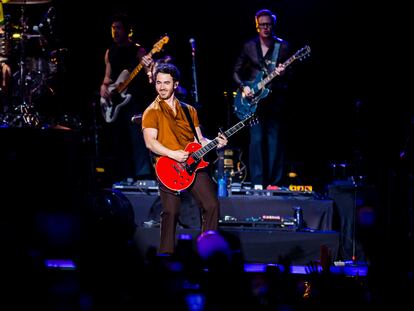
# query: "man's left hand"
(222, 140)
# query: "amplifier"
(146, 184)
(139, 185)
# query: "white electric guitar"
(118, 91)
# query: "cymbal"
(23, 2)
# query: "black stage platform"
(258, 243)
(259, 246)
(318, 214)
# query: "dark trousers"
(266, 154)
(203, 190)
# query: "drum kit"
(31, 52)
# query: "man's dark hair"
(123, 18)
(265, 12)
(170, 69)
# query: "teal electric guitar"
(244, 105)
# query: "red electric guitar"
(178, 176)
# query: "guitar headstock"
(158, 46)
(303, 52)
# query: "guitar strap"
(275, 54)
(189, 119)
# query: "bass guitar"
(178, 176)
(118, 97)
(244, 105)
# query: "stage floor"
(318, 214)
(258, 243)
(258, 246)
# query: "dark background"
(350, 103)
(346, 103)
(350, 100)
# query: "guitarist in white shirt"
(123, 145)
(260, 56)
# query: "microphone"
(192, 42)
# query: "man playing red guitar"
(169, 136)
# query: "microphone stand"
(354, 219)
(193, 67)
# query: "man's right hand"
(247, 91)
(104, 92)
(179, 155)
(147, 61)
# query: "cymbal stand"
(25, 108)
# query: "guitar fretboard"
(157, 47)
(213, 144)
(298, 55)
(274, 73)
(122, 86)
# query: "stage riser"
(317, 214)
(259, 246)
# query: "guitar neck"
(199, 154)
(122, 86)
(274, 73)
(134, 72)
